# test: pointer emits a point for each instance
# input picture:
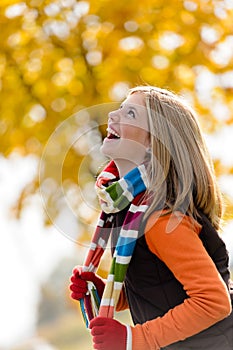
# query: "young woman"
(161, 209)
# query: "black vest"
(152, 289)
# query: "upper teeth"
(113, 132)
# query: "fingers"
(98, 321)
(78, 283)
(88, 276)
(97, 326)
(98, 340)
(108, 334)
(78, 286)
(96, 331)
(77, 296)
(77, 293)
(77, 271)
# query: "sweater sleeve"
(174, 239)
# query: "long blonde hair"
(181, 174)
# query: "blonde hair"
(180, 170)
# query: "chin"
(106, 151)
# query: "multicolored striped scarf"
(115, 195)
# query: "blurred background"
(58, 59)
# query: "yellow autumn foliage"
(59, 57)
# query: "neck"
(124, 166)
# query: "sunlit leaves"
(60, 56)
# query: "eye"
(131, 113)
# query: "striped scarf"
(115, 195)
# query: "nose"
(114, 115)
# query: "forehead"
(135, 99)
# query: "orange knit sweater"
(174, 239)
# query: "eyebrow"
(129, 106)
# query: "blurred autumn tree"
(58, 57)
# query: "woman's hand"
(108, 334)
(79, 280)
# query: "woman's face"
(128, 136)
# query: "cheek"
(136, 134)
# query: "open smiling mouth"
(112, 134)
